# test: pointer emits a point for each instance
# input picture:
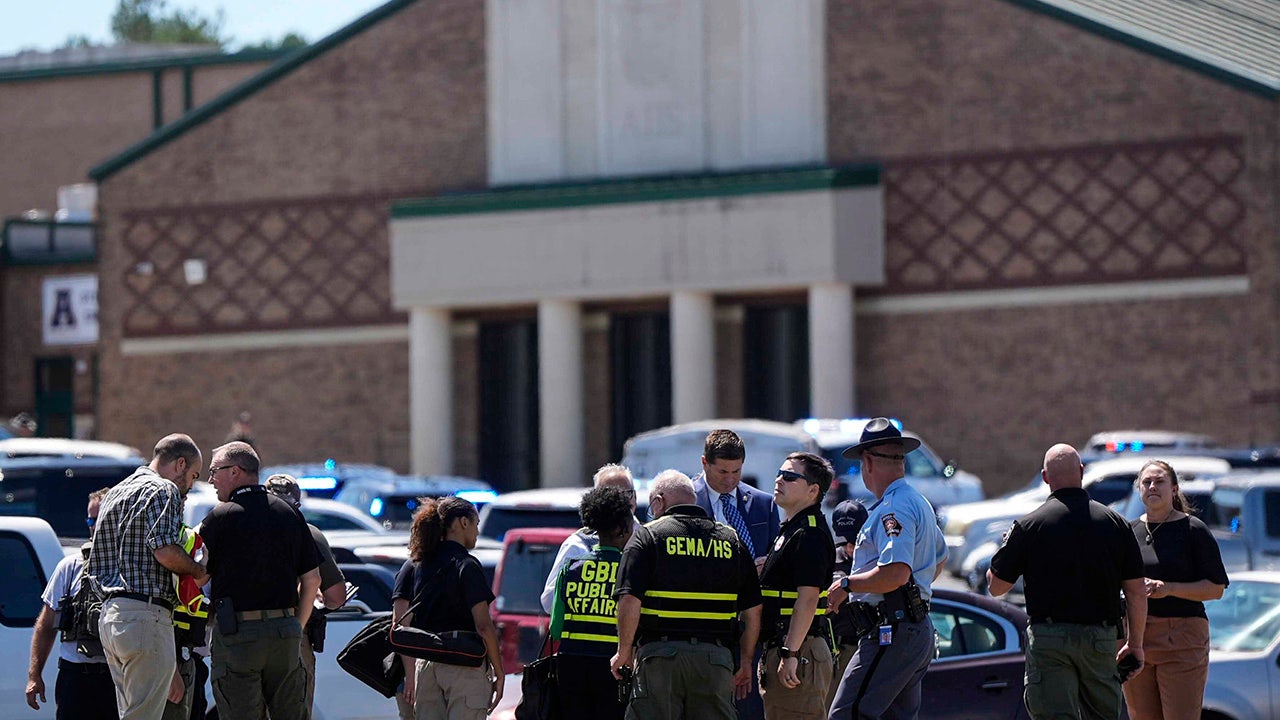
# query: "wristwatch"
(785, 653)
(844, 583)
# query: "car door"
(978, 672)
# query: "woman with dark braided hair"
(1183, 568)
(451, 587)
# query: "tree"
(291, 41)
(151, 21)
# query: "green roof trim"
(638, 189)
(147, 65)
(281, 68)
(1178, 55)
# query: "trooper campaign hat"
(880, 431)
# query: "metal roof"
(1239, 38)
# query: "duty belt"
(248, 615)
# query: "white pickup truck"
(29, 551)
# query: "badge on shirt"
(892, 527)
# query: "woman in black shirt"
(454, 596)
(1183, 569)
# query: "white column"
(693, 359)
(831, 350)
(560, 404)
(430, 391)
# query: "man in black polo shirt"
(263, 565)
(683, 580)
(1076, 555)
(793, 583)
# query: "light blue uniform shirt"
(901, 527)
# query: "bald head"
(675, 487)
(1062, 468)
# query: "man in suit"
(750, 512)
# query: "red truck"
(527, 557)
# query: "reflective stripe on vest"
(591, 614)
(694, 559)
(784, 601)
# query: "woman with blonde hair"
(1183, 569)
(440, 569)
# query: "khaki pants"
(451, 692)
(809, 698)
(676, 679)
(841, 664)
(1171, 684)
(137, 638)
(1071, 671)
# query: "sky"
(46, 24)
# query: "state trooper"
(900, 550)
(584, 613)
(683, 581)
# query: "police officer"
(1076, 555)
(846, 522)
(683, 581)
(796, 669)
(333, 584)
(899, 553)
(190, 617)
(584, 613)
(260, 551)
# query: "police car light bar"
(318, 483)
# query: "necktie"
(730, 506)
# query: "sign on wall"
(70, 310)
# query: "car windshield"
(1247, 618)
(920, 463)
(525, 566)
(496, 521)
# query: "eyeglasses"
(215, 470)
(887, 456)
(788, 476)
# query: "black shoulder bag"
(540, 695)
(453, 647)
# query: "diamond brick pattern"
(1102, 213)
(270, 266)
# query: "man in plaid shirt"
(136, 547)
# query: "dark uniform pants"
(182, 710)
(588, 690)
(259, 666)
(883, 681)
(84, 691)
(1071, 671)
(677, 679)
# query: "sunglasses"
(887, 456)
(788, 476)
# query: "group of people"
(135, 604)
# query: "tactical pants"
(844, 653)
(677, 679)
(451, 692)
(588, 690)
(808, 700)
(259, 666)
(182, 710)
(1071, 672)
(84, 691)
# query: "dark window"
(963, 633)
(55, 396)
(498, 520)
(23, 581)
(525, 566)
(373, 591)
(640, 359)
(331, 521)
(509, 404)
(776, 362)
(1271, 505)
(57, 492)
(1110, 489)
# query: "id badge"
(886, 634)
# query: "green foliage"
(291, 41)
(151, 21)
(77, 41)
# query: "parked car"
(1247, 506)
(971, 525)
(547, 507)
(56, 486)
(527, 557)
(392, 501)
(325, 479)
(942, 483)
(327, 515)
(977, 674)
(1244, 650)
(1119, 441)
(35, 447)
(680, 447)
